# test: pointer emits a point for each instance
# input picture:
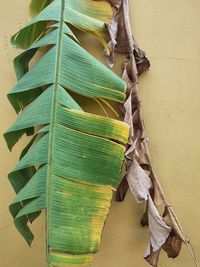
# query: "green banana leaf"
(73, 162)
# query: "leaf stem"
(52, 130)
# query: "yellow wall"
(169, 32)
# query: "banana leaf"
(73, 162)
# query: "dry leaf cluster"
(165, 230)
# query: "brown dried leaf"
(137, 134)
(144, 220)
(142, 61)
(127, 79)
(122, 39)
(115, 3)
(122, 190)
(112, 30)
(143, 157)
(158, 197)
(159, 231)
(128, 115)
(153, 257)
(172, 245)
(171, 220)
(139, 182)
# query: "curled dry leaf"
(122, 190)
(144, 219)
(153, 257)
(139, 182)
(118, 32)
(112, 29)
(158, 229)
(172, 245)
(171, 219)
(142, 156)
(122, 40)
(158, 195)
(128, 115)
(115, 3)
(142, 61)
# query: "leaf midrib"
(53, 119)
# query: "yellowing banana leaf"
(86, 15)
(73, 162)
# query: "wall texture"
(169, 32)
